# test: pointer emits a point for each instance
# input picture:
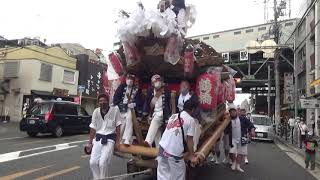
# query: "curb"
(297, 150)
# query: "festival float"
(154, 42)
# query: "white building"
(33, 71)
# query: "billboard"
(90, 76)
(288, 89)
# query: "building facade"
(235, 40)
(31, 72)
(92, 68)
(307, 53)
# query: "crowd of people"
(235, 139)
(112, 125)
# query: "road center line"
(11, 138)
(23, 173)
(58, 147)
(85, 156)
(58, 173)
(31, 142)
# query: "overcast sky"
(90, 22)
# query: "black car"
(56, 117)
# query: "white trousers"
(100, 159)
(171, 169)
(126, 127)
(154, 132)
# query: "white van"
(264, 127)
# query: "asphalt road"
(46, 157)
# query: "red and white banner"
(116, 63)
(207, 90)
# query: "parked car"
(56, 117)
(264, 127)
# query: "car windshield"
(41, 109)
(265, 121)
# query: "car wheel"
(32, 134)
(58, 131)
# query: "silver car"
(264, 127)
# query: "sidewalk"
(10, 129)
(295, 147)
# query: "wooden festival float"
(188, 59)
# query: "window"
(215, 36)
(288, 24)
(40, 109)
(234, 56)
(237, 32)
(68, 77)
(249, 30)
(46, 72)
(11, 69)
(206, 38)
(264, 121)
(197, 39)
(262, 28)
(65, 109)
(81, 111)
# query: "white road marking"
(58, 147)
(298, 159)
(2, 139)
(9, 156)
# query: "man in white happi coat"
(176, 145)
(104, 137)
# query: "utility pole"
(276, 65)
(269, 90)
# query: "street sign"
(310, 103)
(288, 88)
(81, 88)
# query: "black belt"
(164, 154)
(104, 138)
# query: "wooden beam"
(138, 150)
(136, 127)
(206, 147)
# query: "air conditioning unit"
(243, 56)
(225, 57)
